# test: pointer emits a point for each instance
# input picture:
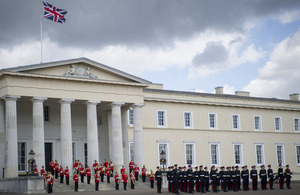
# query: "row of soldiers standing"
(230, 179)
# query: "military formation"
(231, 178)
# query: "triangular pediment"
(79, 68)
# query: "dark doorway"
(48, 155)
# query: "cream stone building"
(81, 109)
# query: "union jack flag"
(53, 13)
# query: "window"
(161, 118)
(46, 113)
(238, 154)
(189, 153)
(235, 121)
(260, 156)
(73, 152)
(214, 153)
(296, 124)
(188, 119)
(131, 152)
(212, 117)
(298, 154)
(163, 145)
(280, 154)
(22, 156)
(278, 124)
(85, 155)
(257, 123)
(130, 115)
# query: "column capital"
(66, 101)
(117, 104)
(137, 105)
(10, 97)
(90, 102)
(38, 99)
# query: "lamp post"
(163, 159)
(31, 162)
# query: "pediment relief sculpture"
(80, 71)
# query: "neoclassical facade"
(81, 109)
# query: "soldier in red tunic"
(111, 166)
(50, 179)
(102, 171)
(152, 177)
(107, 171)
(144, 170)
(82, 173)
(95, 165)
(67, 174)
(56, 167)
(75, 179)
(122, 171)
(51, 164)
(61, 174)
(97, 179)
(117, 180)
(132, 180)
(105, 163)
(88, 172)
(43, 173)
(136, 171)
(287, 174)
(131, 165)
(125, 179)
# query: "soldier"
(151, 178)
(67, 175)
(229, 178)
(288, 176)
(263, 177)
(184, 183)
(117, 180)
(125, 179)
(107, 171)
(281, 176)
(171, 179)
(233, 179)
(43, 173)
(95, 165)
(196, 178)
(111, 166)
(56, 167)
(51, 164)
(271, 177)
(223, 177)
(122, 171)
(61, 174)
(175, 174)
(253, 176)
(136, 171)
(180, 180)
(132, 180)
(102, 171)
(245, 177)
(238, 178)
(218, 179)
(202, 179)
(75, 165)
(158, 179)
(105, 164)
(97, 179)
(144, 171)
(50, 180)
(131, 165)
(82, 172)
(206, 176)
(213, 177)
(75, 179)
(169, 173)
(190, 180)
(88, 172)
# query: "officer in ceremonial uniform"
(97, 180)
(238, 177)
(263, 177)
(175, 174)
(171, 179)
(190, 180)
(213, 177)
(223, 177)
(185, 184)
(287, 174)
(202, 179)
(158, 179)
(180, 179)
(233, 179)
(197, 179)
(218, 179)
(206, 176)
(253, 176)
(281, 176)
(271, 177)
(245, 177)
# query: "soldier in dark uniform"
(213, 177)
(168, 178)
(202, 179)
(197, 179)
(253, 176)
(229, 178)
(245, 177)
(171, 179)
(281, 176)
(190, 180)
(223, 177)
(271, 177)
(288, 176)
(184, 183)
(206, 176)
(233, 179)
(158, 179)
(175, 174)
(238, 178)
(218, 180)
(180, 179)
(263, 177)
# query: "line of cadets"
(100, 170)
(230, 179)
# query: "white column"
(11, 155)
(116, 134)
(109, 135)
(92, 132)
(38, 137)
(138, 142)
(66, 133)
(2, 138)
(125, 140)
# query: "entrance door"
(48, 155)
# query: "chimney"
(294, 97)
(242, 93)
(219, 90)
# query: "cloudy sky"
(187, 45)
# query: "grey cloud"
(215, 55)
(152, 23)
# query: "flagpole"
(41, 32)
